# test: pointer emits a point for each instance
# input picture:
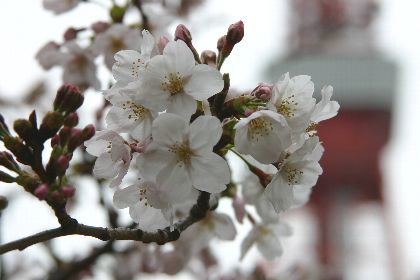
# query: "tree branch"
(197, 212)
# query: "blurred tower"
(332, 40)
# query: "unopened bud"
(75, 139)
(22, 153)
(61, 164)
(68, 191)
(182, 33)
(4, 130)
(41, 191)
(70, 34)
(68, 99)
(221, 43)
(99, 26)
(161, 44)
(88, 132)
(235, 33)
(4, 177)
(208, 57)
(50, 125)
(7, 160)
(71, 120)
(55, 140)
(3, 202)
(262, 91)
(25, 130)
(64, 133)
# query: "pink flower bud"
(75, 139)
(161, 44)
(70, 34)
(263, 91)
(71, 120)
(235, 33)
(64, 135)
(68, 191)
(55, 140)
(88, 132)
(69, 98)
(221, 43)
(62, 163)
(99, 26)
(182, 33)
(41, 191)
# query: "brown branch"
(197, 212)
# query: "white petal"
(153, 160)
(180, 58)
(279, 193)
(269, 245)
(176, 182)
(326, 108)
(143, 129)
(223, 226)
(205, 132)
(169, 129)
(205, 82)
(210, 173)
(127, 197)
(127, 66)
(105, 167)
(117, 119)
(249, 240)
(147, 44)
(147, 217)
(182, 105)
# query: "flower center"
(312, 128)
(183, 153)
(259, 127)
(287, 106)
(137, 111)
(292, 175)
(173, 83)
(142, 196)
(116, 44)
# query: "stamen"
(183, 153)
(174, 83)
(287, 106)
(137, 111)
(292, 175)
(259, 127)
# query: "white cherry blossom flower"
(113, 154)
(267, 239)
(299, 170)
(264, 135)
(60, 6)
(117, 37)
(146, 206)
(127, 115)
(181, 156)
(49, 55)
(292, 97)
(79, 66)
(173, 82)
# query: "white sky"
(24, 31)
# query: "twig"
(197, 212)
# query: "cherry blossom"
(181, 156)
(298, 169)
(173, 82)
(60, 6)
(264, 135)
(113, 154)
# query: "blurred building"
(333, 41)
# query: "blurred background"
(362, 219)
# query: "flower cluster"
(171, 123)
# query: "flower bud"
(99, 26)
(25, 130)
(3, 202)
(161, 44)
(4, 177)
(235, 33)
(88, 132)
(68, 191)
(68, 99)
(61, 164)
(208, 57)
(71, 120)
(50, 125)
(75, 139)
(41, 191)
(55, 140)
(182, 33)
(22, 153)
(64, 133)
(221, 43)
(7, 160)
(262, 91)
(70, 34)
